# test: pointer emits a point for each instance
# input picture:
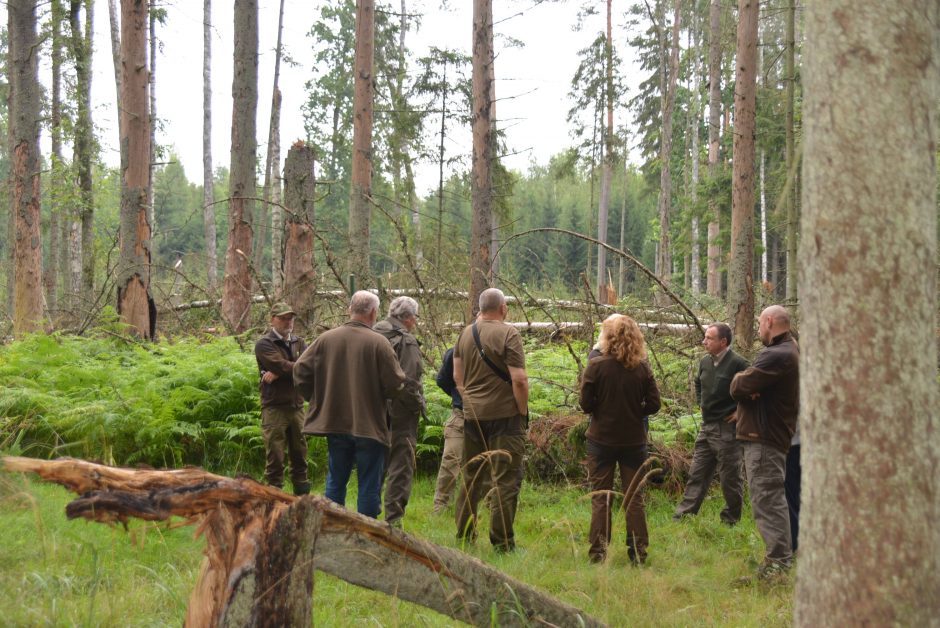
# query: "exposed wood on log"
(262, 546)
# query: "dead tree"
(262, 546)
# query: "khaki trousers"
(766, 467)
(715, 448)
(281, 428)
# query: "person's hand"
(732, 418)
(268, 377)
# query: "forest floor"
(57, 572)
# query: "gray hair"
(491, 300)
(363, 303)
(403, 307)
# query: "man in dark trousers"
(347, 375)
(403, 418)
(489, 369)
(716, 445)
(282, 407)
(768, 396)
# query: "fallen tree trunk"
(262, 546)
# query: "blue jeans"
(368, 456)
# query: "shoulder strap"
(503, 375)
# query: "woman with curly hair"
(618, 390)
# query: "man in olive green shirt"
(489, 369)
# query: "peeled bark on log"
(261, 549)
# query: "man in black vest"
(716, 445)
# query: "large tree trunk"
(481, 181)
(792, 216)
(741, 269)
(664, 252)
(81, 46)
(236, 291)
(133, 275)
(360, 190)
(262, 546)
(25, 116)
(608, 166)
(869, 539)
(713, 252)
(300, 271)
(208, 181)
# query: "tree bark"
(608, 165)
(152, 95)
(236, 291)
(133, 276)
(664, 252)
(713, 279)
(81, 47)
(360, 192)
(58, 213)
(696, 117)
(25, 116)
(300, 270)
(208, 181)
(271, 190)
(869, 541)
(792, 215)
(481, 177)
(262, 546)
(741, 270)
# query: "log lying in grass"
(262, 546)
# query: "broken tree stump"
(263, 545)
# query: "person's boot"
(302, 489)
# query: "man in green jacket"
(768, 396)
(716, 445)
(347, 374)
(282, 407)
(403, 417)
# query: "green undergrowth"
(194, 401)
(60, 572)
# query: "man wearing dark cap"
(282, 416)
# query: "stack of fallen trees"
(263, 545)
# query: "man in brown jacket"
(495, 394)
(346, 375)
(403, 417)
(768, 396)
(282, 407)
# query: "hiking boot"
(772, 572)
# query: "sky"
(532, 82)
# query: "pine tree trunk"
(152, 94)
(24, 120)
(81, 47)
(741, 269)
(133, 274)
(792, 215)
(271, 190)
(360, 192)
(713, 279)
(236, 290)
(208, 181)
(869, 539)
(664, 253)
(696, 117)
(300, 271)
(481, 182)
(608, 166)
(57, 210)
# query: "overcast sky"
(532, 81)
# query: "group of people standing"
(363, 384)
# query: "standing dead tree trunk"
(713, 277)
(360, 190)
(869, 539)
(236, 289)
(25, 117)
(300, 270)
(741, 271)
(262, 546)
(271, 190)
(208, 193)
(133, 280)
(481, 176)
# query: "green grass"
(59, 572)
